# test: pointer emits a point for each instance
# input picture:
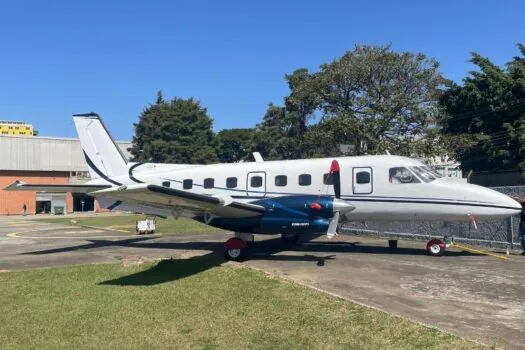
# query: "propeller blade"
(335, 172)
(332, 227)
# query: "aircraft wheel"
(235, 249)
(435, 247)
(290, 238)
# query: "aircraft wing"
(173, 199)
(22, 186)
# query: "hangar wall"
(11, 203)
(44, 160)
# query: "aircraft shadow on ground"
(168, 270)
(263, 249)
(174, 269)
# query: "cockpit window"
(425, 173)
(401, 175)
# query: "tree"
(281, 135)
(325, 138)
(273, 136)
(234, 145)
(176, 131)
(486, 115)
(389, 98)
(302, 101)
(372, 99)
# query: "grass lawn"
(190, 304)
(127, 223)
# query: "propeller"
(339, 206)
(336, 178)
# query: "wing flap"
(22, 186)
(169, 198)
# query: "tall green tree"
(275, 136)
(390, 99)
(371, 99)
(234, 145)
(486, 115)
(302, 101)
(281, 134)
(176, 131)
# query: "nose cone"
(498, 198)
(506, 201)
(492, 204)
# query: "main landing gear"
(236, 247)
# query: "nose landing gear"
(436, 247)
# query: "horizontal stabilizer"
(22, 186)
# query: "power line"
(468, 114)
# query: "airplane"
(288, 197)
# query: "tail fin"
(103, 157)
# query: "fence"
(492, 233)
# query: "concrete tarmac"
(478, 297)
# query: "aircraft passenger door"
(256, 184)
(362, 180)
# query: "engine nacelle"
(292, 214)
(287, 225)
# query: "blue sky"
(63, 57)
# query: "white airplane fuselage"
(385, 187)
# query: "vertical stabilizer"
(104, 158)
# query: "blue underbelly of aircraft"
(290, 214)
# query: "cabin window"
(305, 179)
(401, 175)
(328, 179)
(425, 173)
(187, 184)
(281, 180)
(256, 181)
(166, 184)
(362, 177)
(209, 183)
(231, 182)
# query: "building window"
(187, 184)
(209, 183)
(256, 181)
(281, 180)
(231, 182)
(305, 179)
(83, 175)
(328, 179)
(166, 184)
(362, 177)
